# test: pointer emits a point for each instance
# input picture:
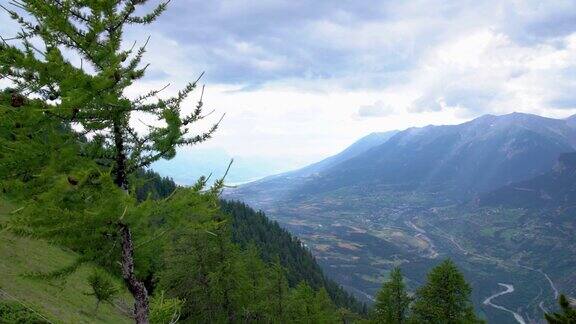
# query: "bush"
(14, 313)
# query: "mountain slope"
(556, 188)
(281, 186)
(459, 160)
(249, 226)
(455, 162)
(405, 202)
(362, 145)
(274, 242)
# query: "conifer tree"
(300, 304)
(445, 298)
(277, 292)
(392, 301)
(253, 284)
(567, 316)
(103, 288)
(89, 93)
(325, 311)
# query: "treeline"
(444, 298)
(274, 243)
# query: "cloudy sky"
(300, 80)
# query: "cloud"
(377, 109)
(291, 75)
(487, 72)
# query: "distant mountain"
(460, 160)
(280, 186)
(455, 161)
(556, 188)
(359, 147)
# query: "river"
(508, 289)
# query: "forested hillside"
(251, 227)
(274, 243)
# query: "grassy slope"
(60, 301)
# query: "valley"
(359, 249)
(439, 192)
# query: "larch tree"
(567, 314)
(445, 298)
(89, 95)
(392, 301)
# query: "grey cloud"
(377, 109)
(477, 98)
(255, 42)
(370, 44)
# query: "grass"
(59, 301)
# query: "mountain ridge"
(461, 160)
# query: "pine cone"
(17, 100)
(73, 181)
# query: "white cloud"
(298, 79)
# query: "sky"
(300, 80)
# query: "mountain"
(453, 161)
(556, 188)
(362, 145)
(459, 160)
(280, 186)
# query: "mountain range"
(457, 161)
(491, 193)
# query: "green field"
(59, 301)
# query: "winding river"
(508, 289)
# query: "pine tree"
(90, 93)
(445, 298)
(567, 316)
(392, 301)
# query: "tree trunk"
(135, 286)
(120, 168)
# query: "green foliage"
(15, 313)
(213, 276)
(148, 184)
(445, 298)
(567, 314)
(103, 287)
(165, 310)
(95, 100)
(273, 241)
(219, 282)
(392, 301)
